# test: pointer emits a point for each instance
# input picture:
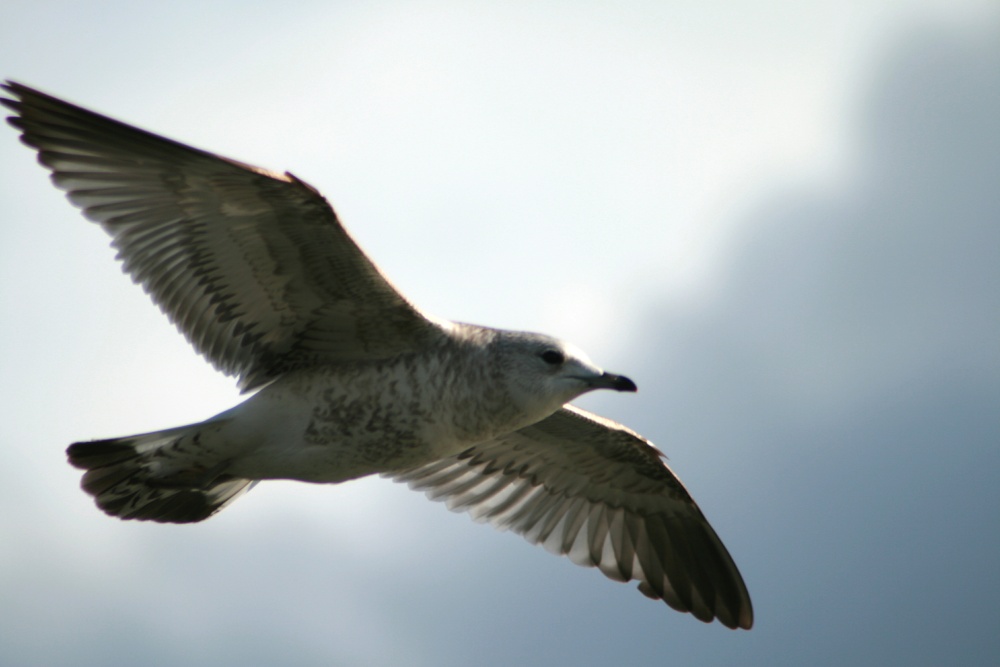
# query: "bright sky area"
(779, 218)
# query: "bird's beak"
(612, 381)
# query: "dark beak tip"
(625, 384)
(612, 381)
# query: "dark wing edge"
(253, 267)
(587, 488)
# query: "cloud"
(831, 405)
(845, 379)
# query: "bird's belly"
(332, 427)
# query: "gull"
(347, 378)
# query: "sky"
(780, 219)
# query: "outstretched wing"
(252, 266)
(588, 488)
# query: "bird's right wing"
(588, 488)
(252, 266)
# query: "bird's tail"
(156, 476)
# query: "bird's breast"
(356, 420)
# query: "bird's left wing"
(589, 488)
(252, 266)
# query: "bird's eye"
(554, 357)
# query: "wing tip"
(12, 103)
(19, 91)
(741, 619)
(11, 86)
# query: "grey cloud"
(845, 383)
(833, 409)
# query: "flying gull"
(351, 379)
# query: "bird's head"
(544, 373)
